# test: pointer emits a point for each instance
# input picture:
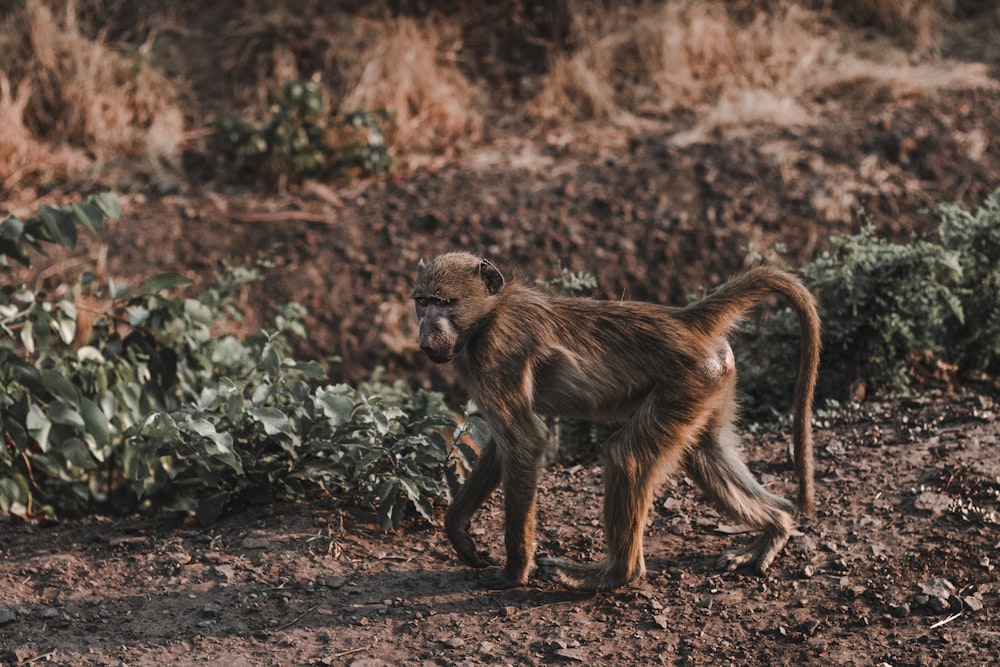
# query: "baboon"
(667, 374)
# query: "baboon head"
(452, 295)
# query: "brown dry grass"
(411, 69)
(72, 104)
(77, 105)
(774, 68)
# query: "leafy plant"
(570, 282)
(299, 141)
(975, 237)
(883, 302)
(150, 409)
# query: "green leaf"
(59, 225)
(38, 425)
(60, 387)
(273, 420)
(12, 229)
(108, 203)
(96, 422)
(88, 214)
(14, 494)
(61, 413)
(163, 281)
(75, 452)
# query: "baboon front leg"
(716, 466)
(520, 497)
(484, 478)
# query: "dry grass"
(920, 24)
(72, 104)
(696, 55)
(411, 69)
(406, 66)
(76, 106)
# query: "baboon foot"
(759, 554)
(479, 560)
(502, 580)
(588, 576)
(465, 547)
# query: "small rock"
(454, 642)
(49, 612)
(900, 610)
(808, 627)
(485, 648)
(973, 602)
(211, 609)
(661, 621)
(808, 571)
(938, 593)
(570, 654)
(6, 616)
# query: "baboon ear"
(491, 276)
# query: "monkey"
(667, 374)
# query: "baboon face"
(439, 339)
(451, 296)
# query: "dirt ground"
(899, 568)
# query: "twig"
(352, 651)
(276, 216)
(947, 620)
(38, 658)
(295, 620)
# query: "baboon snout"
(436, 354)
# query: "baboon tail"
(719, 311)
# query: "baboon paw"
(502, 580)
(759, 555)
(479, 560)
(592, 577)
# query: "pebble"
(6, 616)
(935, 594)
(973, 602)
(454, 642)
(900, 610)
(570, 654)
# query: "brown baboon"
(668, 374)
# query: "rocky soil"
(899, 568)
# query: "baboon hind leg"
(716, 466)
(634, 460)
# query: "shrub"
(146, 409)
(298, 141)
(883, 302)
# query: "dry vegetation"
(92, 86)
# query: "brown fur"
(667, 373)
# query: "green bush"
(881, 303)
(975, 238)
(153, 411)
(298, 140)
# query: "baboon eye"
(422, 301)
